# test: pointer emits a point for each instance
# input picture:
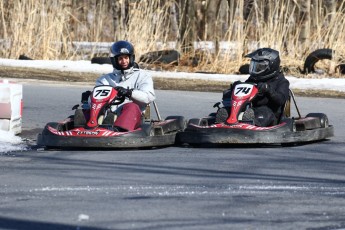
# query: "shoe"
(222, 115)
(79, 118)
(248, 115)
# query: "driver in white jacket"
(135, 84)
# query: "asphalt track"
(300, 187)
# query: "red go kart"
(97, 131)
(237, 130)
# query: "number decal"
(244, 90)
(102, 93)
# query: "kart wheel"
(54, 125)
(194, 121)
(182, 123)
(212, 114)
(323, 118)
(148, 130)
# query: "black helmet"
(264, 64)
(121, 48)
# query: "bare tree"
(304, 18)
(187, 25)
(330, 6)
(120, 12)
(174, 21)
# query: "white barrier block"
(11, 106)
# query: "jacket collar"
(125, 74)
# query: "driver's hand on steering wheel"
(263, 88)
(123, 92)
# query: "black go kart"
(237, 130)
(97, 131)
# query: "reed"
(47, 29)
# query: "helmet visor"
(258, 67)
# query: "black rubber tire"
(24, 57)
(100, 60)
(180, 119)
(162, 56)
(315, 56)
(244, 69)
(323, 118)
(341, 68)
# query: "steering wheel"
(118, 100)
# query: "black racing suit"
(268, 107)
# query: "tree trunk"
(187, 28)
(330, 6)
(304, 19)
(213, 25)
(120, 17)
(174, 21)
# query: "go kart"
(91, 126)
(237, 129)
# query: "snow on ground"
(10, 142)
(335, 84)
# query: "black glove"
(123, 92)
(263, 88)
(85, 96)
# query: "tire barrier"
(24, 57)
(341, 68)
(100, 60)
(314, 57)
(161, 57)
(244, 69)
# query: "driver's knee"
(264, 117)
(130, 117)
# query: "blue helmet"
(121, 48)
(264, 64)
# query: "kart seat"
(286, 111)
(147, 113)
(147, 116)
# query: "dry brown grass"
(47, 29)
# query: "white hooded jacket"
(140, 81)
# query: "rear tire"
(181, 121)
(323, 118)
